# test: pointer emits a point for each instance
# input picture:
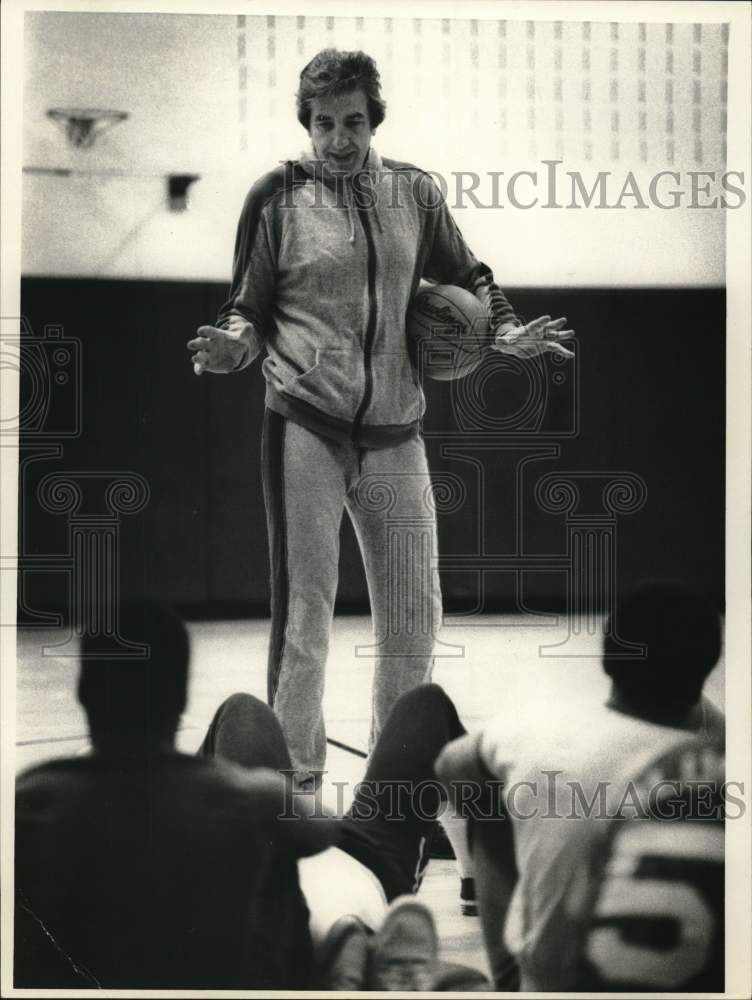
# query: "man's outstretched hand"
(217, 350)
(537, 337)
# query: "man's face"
(341, 131)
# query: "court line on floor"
(347, 747)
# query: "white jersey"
(564, 786)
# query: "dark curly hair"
(682, 632)
(331, 73)
(135, 697)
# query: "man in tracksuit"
(329, 253)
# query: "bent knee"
(429, 697)
(242, 703)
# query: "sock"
(455, 828)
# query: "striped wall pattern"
(606, 93)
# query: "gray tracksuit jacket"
(325, 270)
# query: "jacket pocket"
(304, 374)
(333, 384)
(397, 396)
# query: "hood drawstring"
(350, 200)
(375, 215)
(314, 167)
(374, 166)
(348, 205)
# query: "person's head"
(682, 635)
(340, 105)
(135, 701)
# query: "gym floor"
(488, 665)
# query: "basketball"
(447, 331)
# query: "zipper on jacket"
(371, 328)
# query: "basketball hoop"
(83, 125)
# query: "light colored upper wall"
(214, 95)
(176, 76)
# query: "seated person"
(569, 897)
(367, 929)
(141, 867)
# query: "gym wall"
(214, 96)
(110, 267)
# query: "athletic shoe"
(468, 901)
(343, 963)
(405, 949)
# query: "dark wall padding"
(644, 398)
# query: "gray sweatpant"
(308, 481)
